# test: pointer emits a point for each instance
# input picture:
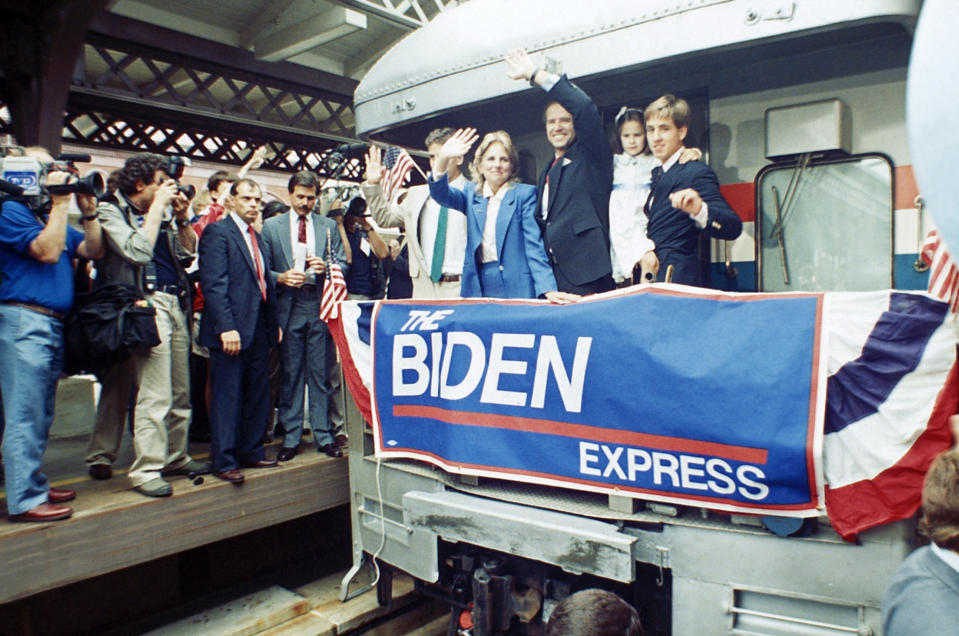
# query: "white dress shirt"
(488, 248)
(245, 230)
(455, 233)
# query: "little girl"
(632, 175)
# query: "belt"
(37, 308)
(168, 289)
(450, 278)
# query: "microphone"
(76, 157)
(348, 149)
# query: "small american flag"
(398, 164)
(943, 274)
(334, 291)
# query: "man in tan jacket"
(436, 236)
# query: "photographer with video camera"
(150, 242)
(37, 248)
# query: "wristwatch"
(183, 222)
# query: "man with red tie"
(239, 326)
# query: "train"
(800, 108)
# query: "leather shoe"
(61, 495)
(286, 454)
(263, 463)
(44, 512)
(100, 471)
(332, 450)
(234, 476)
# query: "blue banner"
(707, 399)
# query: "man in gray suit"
(301, 244)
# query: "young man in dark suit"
(238, 325)
(684, 201)
(573, 206)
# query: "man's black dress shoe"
(234, 476)
(286, 454)
(332, 450)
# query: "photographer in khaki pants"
(149, 249)
(37, 248)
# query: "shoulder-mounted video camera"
(23, 175)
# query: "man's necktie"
(256, 261)
(656, 176)
(439, 246)
(301, 232)
(546, 185)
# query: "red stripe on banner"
(741, 197)
(581, 431)
(896, 492)
(721, 503)
(361, 396)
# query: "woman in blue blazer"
(505, 257)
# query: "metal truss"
(408, 14)
(133, 97)
(93, 128)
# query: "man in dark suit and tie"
(300, 243)
(573, 206)
(684, 201)
(238, 325)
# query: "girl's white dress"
(627, 220)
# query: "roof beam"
(266, 20)
(182, 46)
(308, 34)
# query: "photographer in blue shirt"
(37, 249)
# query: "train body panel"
(719, 574)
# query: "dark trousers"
(241, 402)
(603, 284)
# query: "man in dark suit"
(573, 206)
(238, 325)
(684, 201)
(300, 243)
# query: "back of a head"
(357, 206)
(940, 501)
(594, 612)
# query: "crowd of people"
(237, 285)
(237, 288)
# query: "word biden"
(422, 363)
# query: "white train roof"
(456, 60)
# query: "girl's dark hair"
(625, 114)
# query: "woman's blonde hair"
(502, 137)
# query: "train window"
(825, 224)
